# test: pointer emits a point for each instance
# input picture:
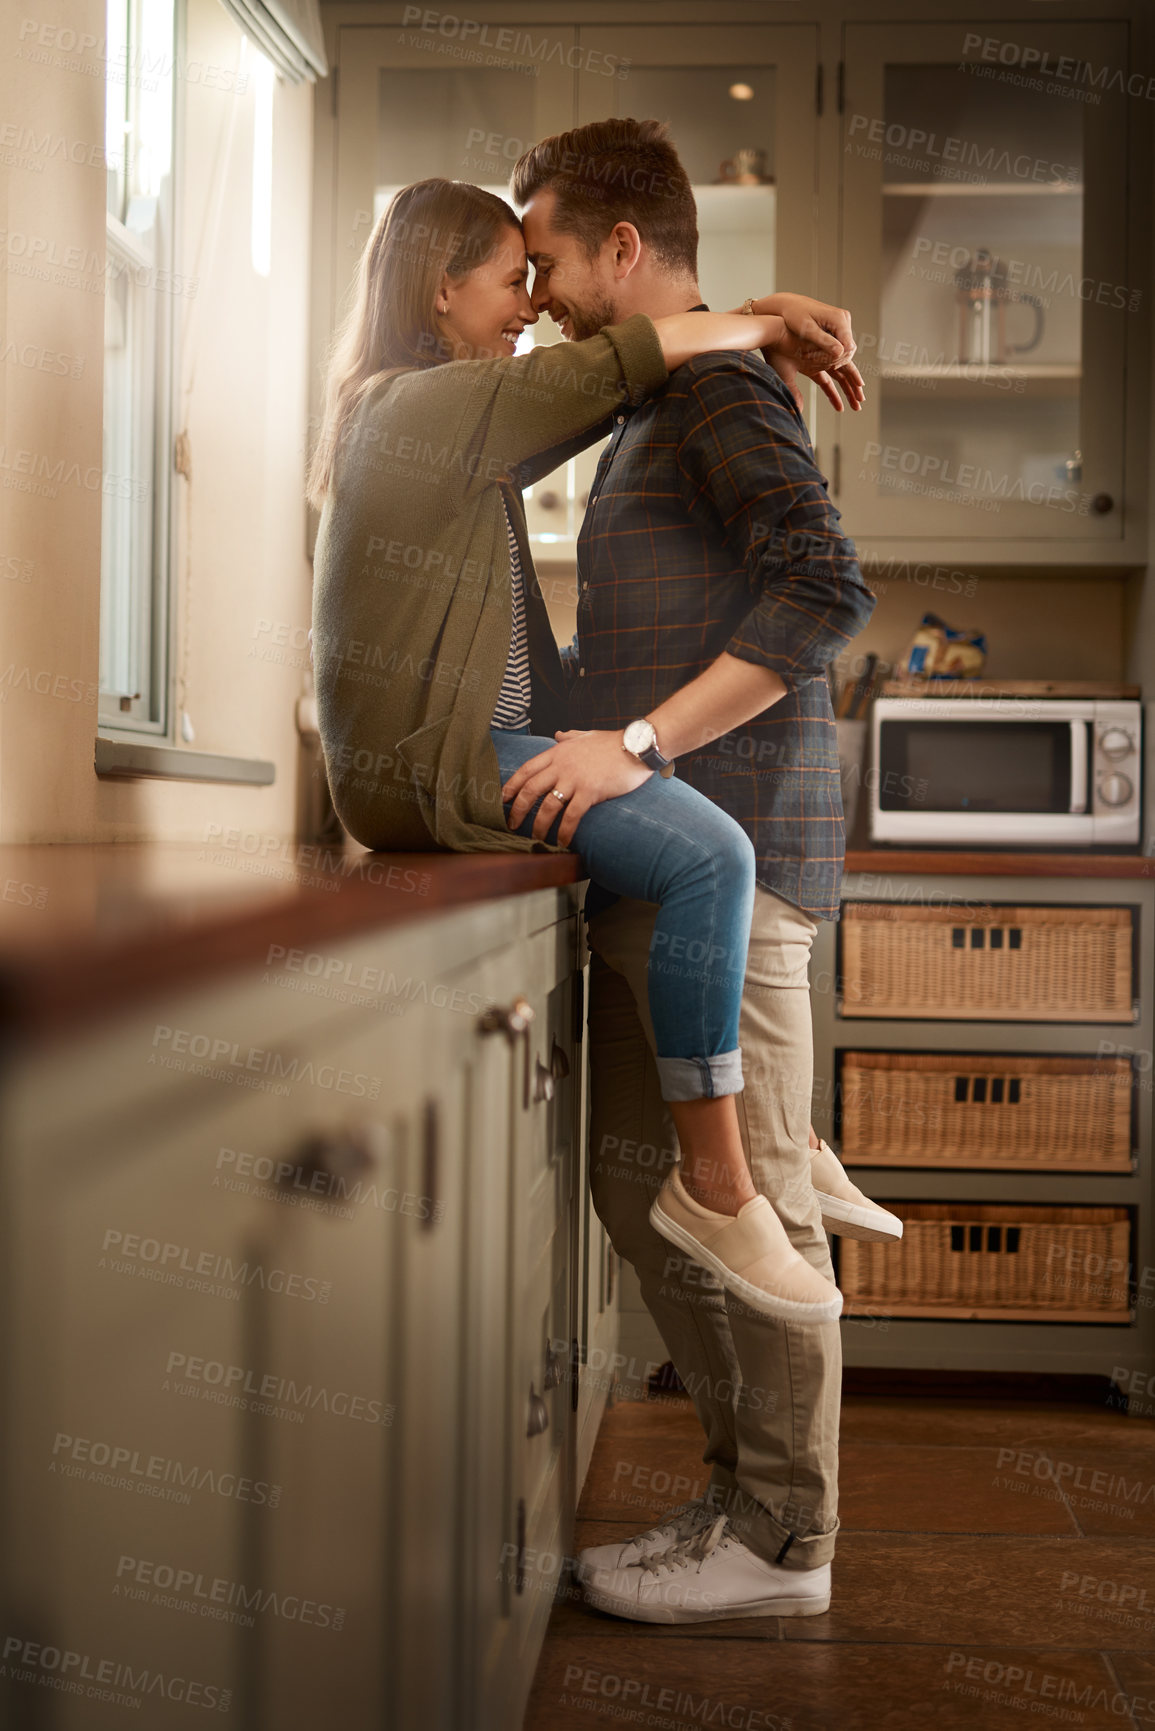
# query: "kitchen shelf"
(968, 1313)
(880, 1334)
(721, 207)
(957, 379)
(908, 1163)
(961, 189)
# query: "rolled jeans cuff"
(776, 1543)
(700, 1078)
(763, 1533)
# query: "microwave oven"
(1006, 771)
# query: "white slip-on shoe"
(749, 1252)
(845, 1209)
(704, 1578)
(680, 1524)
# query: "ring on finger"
(554, 794)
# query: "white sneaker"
(681, 1524)
(845, 1209)
(704, 1578)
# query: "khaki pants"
(767, 1392)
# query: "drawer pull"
(514, 1023)
(538, 1420)
(519, 1577)
(338, 1156)
(558, 1062)
(431, 1162)
(543, 1082)
(555, 1358)
(511, 1021)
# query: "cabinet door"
(411, 1524)
(374, 1470)
(984, 207)
(742, 106)
(454, 99)
(741, 101)
(136, 1267)
(541, 1234)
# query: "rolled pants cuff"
(762, 1532)
(700, 1078)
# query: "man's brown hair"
(616, 171)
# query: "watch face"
(638, 736)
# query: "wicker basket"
(1041, 964)
(991, 1113)
(994, 1262)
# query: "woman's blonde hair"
(431, 228)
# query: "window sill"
(135, 759)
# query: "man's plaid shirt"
(709, 528)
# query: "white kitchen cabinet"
(131, 1484)
(741, 103)
(352, 1302)
(984, 254)
(883, 159)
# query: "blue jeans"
(665, 843)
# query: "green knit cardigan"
(412, 598)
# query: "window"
(138, 338)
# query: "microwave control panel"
(1115, 767)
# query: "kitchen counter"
(87, 929)
(912, 862)
(863, 855)
(332, 1193)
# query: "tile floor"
(995, 1567)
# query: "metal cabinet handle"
(558, 1062)
(1102, 503)
(519, 1575)
(514, 1023)
(335, 1155)
(511, 1021)
(538, 1420)
(543, 1082)
(555, 1358)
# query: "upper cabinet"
(962, 188)
(984, 259)
(742, 105)
(433, 101)
(416, 103)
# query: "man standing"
(715, 586)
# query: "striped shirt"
(516, 692)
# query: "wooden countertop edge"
(79, 977)
(941, 863)
(83, 972)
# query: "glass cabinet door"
(414, 103)
(984, 264)
(741, 103)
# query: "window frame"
(153, 712)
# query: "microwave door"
(981, 778)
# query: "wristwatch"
(640, 740)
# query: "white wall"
(241, 533)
